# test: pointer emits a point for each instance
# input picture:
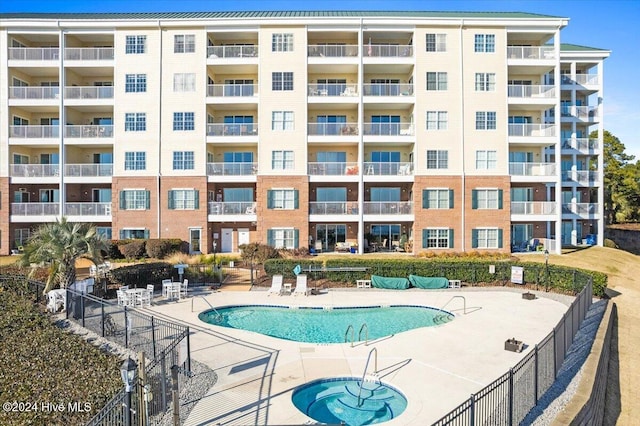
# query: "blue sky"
(606, 24)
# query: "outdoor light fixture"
(546, 266)
(128, 372)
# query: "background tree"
(59, 245)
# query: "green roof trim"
(279, 14)
(567, 47)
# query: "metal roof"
(567, 47)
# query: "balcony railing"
(581, 79)
(88, 92)
(232, 169)
(35, 209)
(232, 129)
(391, 89)
(88, 170)
(532, 169)
(87, 209)
(388, 169)
(88, 53)
(336, 207)
(388, 207)
(332, 129)
(580, 208)
(388, 51)
(34, 53)
(232, 90)
(580, 144)
(531, 91)
(585, 113)
(34, 170)
(250, 51)
(533, 207)
(532, 130)
(333, 51)
(332, 89)
(244, 208)
(34, 92)
(88, 131)
(34, 132)
(531, 52)
(580, 176)
(332, 169)
(388, 129)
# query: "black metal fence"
(508, 399)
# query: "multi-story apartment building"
(457, 131)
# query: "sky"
(606, 24)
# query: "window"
(436, 81)
(486, 238)
(486, 160)
(135, 199)
(135, 122)
(436, 42)
(283, 238)
(281, 81)
(437, 120)
(183, 121)
(485, 82)
(135, 44)
(282, 120)
(135, 83)
(104, 231)
(437, 238)
(286, 199)
(282, 160)
(183, 160)
(437, 198)
(437, 159)
(486, 199)
(184, 82)
(485, 43)
(183, 199)
(381, 194)
(485, 120)
(282, 42)
(184, 43)
(135, 160)
(134, 234)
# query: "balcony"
(581, 79)
(531, 52)
(388, 169)
(532, 172)
(88, 53)
(332, 90)
(232, 90)
(533, 207)
(375, 89)
(587, 146)
(581, 177)
(232, 130)
(331, 208)
(333, 51)
(388, 51)
(35, 93)
(532, 130)
(34, 132)
(89, 131)
(35, 209)
(250, 51)
(239, 211)
(582, 113)
(388, 129)
(584, 210)
(34, 170)
(332, 129)
(388, 207)
(34, 53)
(88, 92)
(332, 169)
(530, 91)
(100, 210)
(88, 170)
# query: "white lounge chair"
(276, 285)
(301, 285)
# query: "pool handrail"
(352, 334)
(464, 305)
(364, 327)
(364, 373)
(210, 305)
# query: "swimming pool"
(326, 324)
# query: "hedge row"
(136, 249)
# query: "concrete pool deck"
(437, 368)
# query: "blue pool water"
(336, 400)
(325, 325)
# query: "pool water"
(336, 400)
(326, 325)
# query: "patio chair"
(150, 288)
(384, 244)
(165, 287)
(301, 285)
(183, 288)
(56, 300)
(276, 285)
(318, 247)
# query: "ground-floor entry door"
(243, 236)
(226, 245)
(195, 235)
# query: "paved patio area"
(436, 367)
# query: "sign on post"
(517, 274)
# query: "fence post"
(188, 350)
(126, 328)
(555, 364)
(472, 410)
(163, 380)
(510, 397)
(535, 377)
(153, 337)
(102, 317)
(82, 308)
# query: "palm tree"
(59, 245)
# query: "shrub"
(158, 249)
(258, 253)
(610, 243)
(133, 250)
(113, 251)
(140, 275)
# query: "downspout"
(62, 158)
(158, 203)
(462, 136)
(361, 230)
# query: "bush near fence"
(561, 278)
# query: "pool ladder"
(372, 377)
(219, 316)
(364, 328)
(463, 300)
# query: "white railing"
(388, 129)
(88, 92)
(35, 209)
(232, 90)
(533, 207)
(587, 79)
(88, 53)
(34, 132)
(88, 131)
(332, 129)
(250, 51)
(332, 89)
(332, 168)
(532, 169)
(388, 207)
(581, 144)
(387, 89)
(580, 208)
(88, 170)
(531, 91)
(248, 129)
(34, 92)
(34, 53)
(388, 169)
(87, 209)
(389, 51)
(34, 170)
(335, 207)
(584, 112)
(333, 51)
(243, 208)
(232, 169)
(580, 176)
(533, 130)
(531, 52)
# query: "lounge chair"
(276, 285)
(301, 285)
